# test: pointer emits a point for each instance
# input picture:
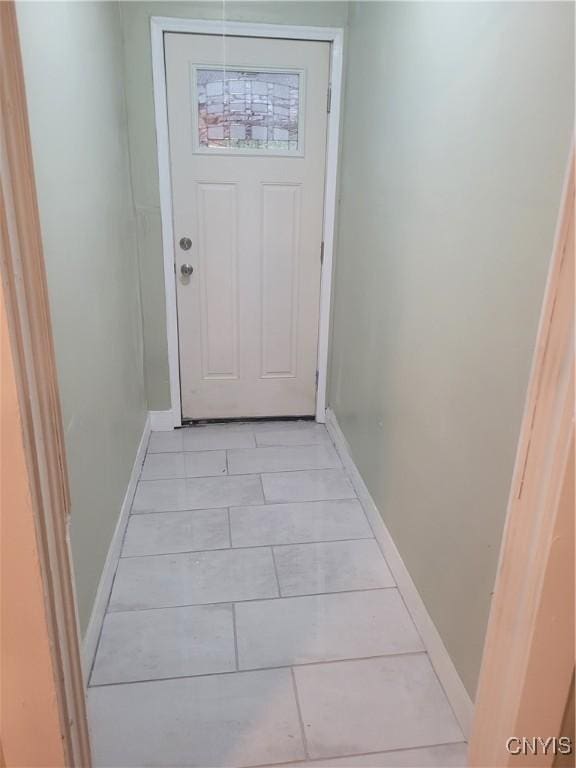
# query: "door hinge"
(329, 99)
(322, 253)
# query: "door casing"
(528, 660)
(334, 35)
(49, 706)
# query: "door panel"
(218, 278)
(247, 121)
(280, 216)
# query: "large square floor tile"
(298, 522)
(170, 532)
(223, 491)
(309, 485)
(335, 566)
(160, 496)
(301, 630)
(280, 459)
(442, 756)
(192, 579)
(293, 433)
(220, 436)
(373, 705)
(166, 642)
(160, 466)
(197, 493)
(242, 719)
(161, 442)
(163, 466)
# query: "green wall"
(457, 123)
(457, 128)
(136, 31)
(74, 81)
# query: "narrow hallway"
(247, 215)
(253, 619)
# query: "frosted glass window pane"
(237, 131)
(259, 88)
(282, 91)
(255, 110)
(215, 132)
(259, 133)
(236, 86)
(214, 89)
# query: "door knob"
(186, 269)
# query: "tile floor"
(253, 619)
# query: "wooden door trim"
(24, 284)
(529, 651)
(335, 36)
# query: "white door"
(247, 121)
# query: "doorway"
(247, 125)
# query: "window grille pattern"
(247, 109)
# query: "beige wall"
(74, 80)
(136, 30)
(456, 137)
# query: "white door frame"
(334, 35)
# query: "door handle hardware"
(186, 270)
(185, 243)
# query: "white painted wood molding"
(161, 421)
(92, 634)
(450, 680)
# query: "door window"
(248, 111)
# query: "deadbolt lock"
(185, 243)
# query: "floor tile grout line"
(276, 572)
(282, 471)
(356, 754)
(254, 599)
(300, 717)
(251, 670)
(248, 546)
(264, 503)
(185, 477)
(252, 473)
(235, 631)
(249, 506)
(327, 441)
(264, 499)
(229, 533)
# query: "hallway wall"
(136, 31)
(456, 136)
(74, 80)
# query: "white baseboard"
(457, 694)
(92, 634)
(161, 421)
